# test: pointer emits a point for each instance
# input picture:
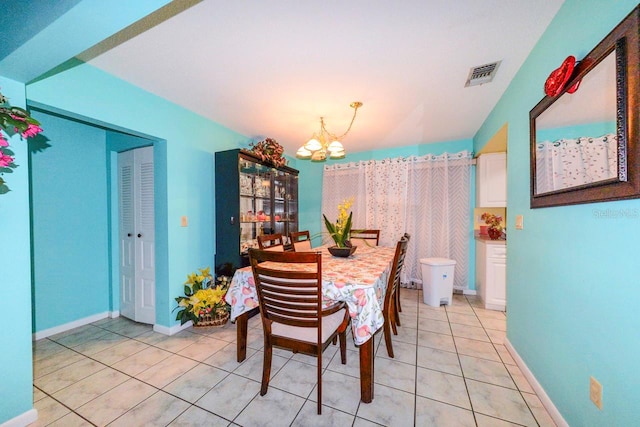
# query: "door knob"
(139, 235)
(128, 234)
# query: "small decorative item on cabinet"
(203, 302)
(269, 151)
(494, 223)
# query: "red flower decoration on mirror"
(559, 77)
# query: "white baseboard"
(544, 398)
(469, 292)
(76, 323)
(172, 330)
(497, 307)
(22, 420)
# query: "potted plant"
(494, 223)
(203, 302)
(340, 230)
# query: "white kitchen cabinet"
(491, 180)
(491, 273)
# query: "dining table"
(359, 280)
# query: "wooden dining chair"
(365, 237)
(290, 303)
(398, 306)
(271, 242)
(389, 308)
(301, 241)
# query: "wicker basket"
(212, 319)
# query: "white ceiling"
(273, 67)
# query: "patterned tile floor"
(451, 369)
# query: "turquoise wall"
(16, 369)
(183, 153)
(310, 185)
(69, 192)
(572, 271)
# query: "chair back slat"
(391, 317)
(366, 237)
(271, 242)
(301, 241)
(396, 268)
(288, 296)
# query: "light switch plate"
(519, 222)
(595, 392)
(184, 221)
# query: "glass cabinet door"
(252, 198)
(289, 183)
(268, 203)
(255, 202)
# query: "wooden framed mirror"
(584, 145)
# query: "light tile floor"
(451, 369)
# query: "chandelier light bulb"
(335, 146)
(319, 156)
(313, 145)
(303, 153)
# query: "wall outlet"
(595, 392)
(184, 221)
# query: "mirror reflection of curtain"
(427, 197)
(568, 163)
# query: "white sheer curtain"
(427, 197)
(571, 162)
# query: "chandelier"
(325, 143)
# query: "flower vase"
(342, 252)
(494, 233)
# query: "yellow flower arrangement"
(341, 230)
(493, 221)
(201, 298)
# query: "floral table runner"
(359, 280)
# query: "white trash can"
(437, 281)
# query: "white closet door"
(127, 234)
(137, 236)
(145, 237)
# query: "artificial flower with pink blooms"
(13, 120)
(5, 160)
(31, 131)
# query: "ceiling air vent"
(482, 74)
